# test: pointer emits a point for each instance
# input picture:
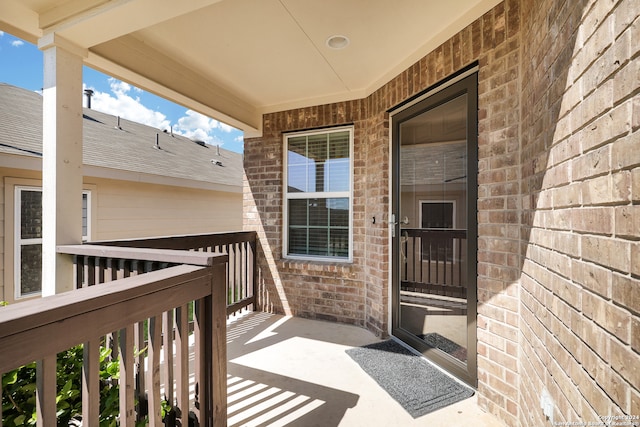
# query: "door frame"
(466, 81)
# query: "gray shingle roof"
(130, 148)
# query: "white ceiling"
(237, 59)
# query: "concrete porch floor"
(286, 371)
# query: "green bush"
(19, 386)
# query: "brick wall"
(558, 189)
(359, 293)
(316, 290)
(580, 296)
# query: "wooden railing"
(37, 330)
(433, 261)
(95, 264)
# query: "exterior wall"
(123, 209)
(580, 293)
(558, 185)
(130, 210)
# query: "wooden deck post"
(219, 344)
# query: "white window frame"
(317, 194)
(19, 242)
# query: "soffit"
(236, 59)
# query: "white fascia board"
(122, 175)
(19, 161)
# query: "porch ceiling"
(237, 59)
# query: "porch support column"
(62, 159)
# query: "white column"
(62, 159)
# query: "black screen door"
(434, 296)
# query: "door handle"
(393, 223)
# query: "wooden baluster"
(120, 271)
(110, 273)
(126, 382)
(199, 330)
(230, 295)
(445, 243)
(126, 266)
(91, 382)
(140, 352)
(46, 391)
(421, 260)
(88, 277)
(217, 338)
(153, 372)
(182, 363)
(254, 271)
(459, 262)
(438, 262)
(167, 351)
(77, 285)
(413, 256)
(100, 268)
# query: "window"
(318, 195)
(28, 238)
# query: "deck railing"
(156, 289)
(433, 261)
(38, 330)
(96, 264)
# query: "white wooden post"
(62, 159)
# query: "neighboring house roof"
(130, 148)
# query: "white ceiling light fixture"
(338, 42)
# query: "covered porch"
(295, 372)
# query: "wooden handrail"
(184, 242)
(140, 254)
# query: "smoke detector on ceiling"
(338, 42)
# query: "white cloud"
(122, 100)
(198, 126)
(1, 33)
(17, 43)
(120, 103)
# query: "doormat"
(445, 344)
(418, 386)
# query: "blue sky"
(21, 65)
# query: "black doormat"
(412, 381)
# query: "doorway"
(434, 226)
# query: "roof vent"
(157, 146)
(89, 94)
(118, 124)
(200, 142)
(216, 162)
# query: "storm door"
(434, 226)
